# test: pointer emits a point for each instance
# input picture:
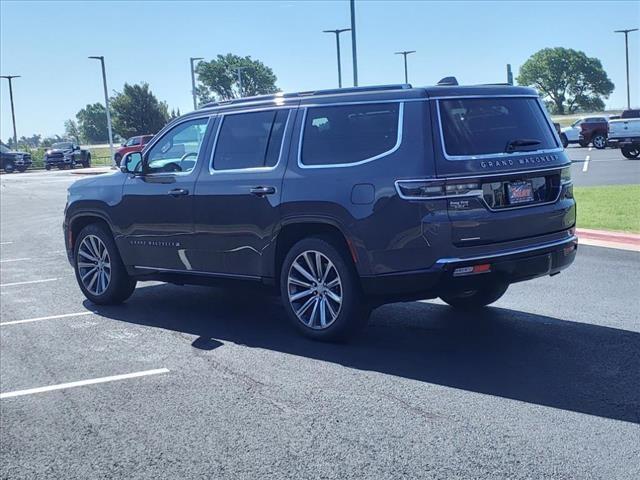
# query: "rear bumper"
(508, 266)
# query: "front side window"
(250, 140)
(496, 125)
(177, 151)
(133, 141)
(349, 133)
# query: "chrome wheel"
(315, 290)
(94, 264)
(599, 142)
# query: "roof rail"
(331, 91)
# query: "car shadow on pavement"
(521, 356)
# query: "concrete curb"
(604, 238)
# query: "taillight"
(565, 176)
(437, 189)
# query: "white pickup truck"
(624, 133)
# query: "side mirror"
(131, 163)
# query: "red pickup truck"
(133, 144)
(594, 130)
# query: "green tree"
(137, 111)
(568, 78)
(71, 130)
(92, 123)
(219, 78)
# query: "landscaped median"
(609, 216)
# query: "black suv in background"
(11, 161)
(341, 199)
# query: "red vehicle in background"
(133, 144)
(594, 130)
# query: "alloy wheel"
(315, 290)
(94, 264)
(599, 141)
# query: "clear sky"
(48, 44)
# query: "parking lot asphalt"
(591, 167)
(545, 384)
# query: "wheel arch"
(81, 220)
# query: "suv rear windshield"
(485, 126)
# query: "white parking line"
(51, 317)
(585, 166)
(28, 282)
(6, 243)
(81, 383)
(14, 260)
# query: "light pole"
(239, 70)
(106, 102)
(354, 50)
(626, 48)
(404, 54)
(13, 114)
(337, 33)
(193, 81)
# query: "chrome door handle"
(178, 192)
(262, 191)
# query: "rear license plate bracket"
(520, 192)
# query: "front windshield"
(4, 149)
(62, 145)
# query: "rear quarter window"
(349, 134)
(486, 126)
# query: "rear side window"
(484, 126)
(250, 140)
(349, 133)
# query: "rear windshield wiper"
(521, 144)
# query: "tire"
(583, 143)
(631, 151)
(564, 140)
(117, 158)
(599, 141)
(476, 298)
(317, 314)
(87, 162)
(9, 167)
(101, 284)
(47, 166)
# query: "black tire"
(47, 166)
(473, 299)
(352, 312)
(120, 285)
(631, 151)
(117, 158)
(599, 141)
(9, 167)
(583, 143)
(87, 161)
(564, 140)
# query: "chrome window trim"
(517, 251)
(489, 175)
(152, 144)
(455, 97)
(213, 171)
(359, 162)
(499, 154)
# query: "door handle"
(262, 191)
(178, 192)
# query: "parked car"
(631, 113)
(585, 131)
(624, 133)
(133, 144)
(10, 160)
(66, 155)
(342, 200)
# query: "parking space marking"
(51, 317)
(585, 166)
(29, 282)
(6, 243)
(80, 383)
(14, 260)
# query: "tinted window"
(133, 141)
(177, 150)
(630, 114)
(480, 126)
(250, 140)
(349, 133)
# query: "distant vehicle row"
(594, 130)
(11, 161)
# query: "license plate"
(520, 192)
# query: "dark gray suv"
(341, 199)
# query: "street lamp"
(13, 115)
(337, 33)
(106, 102)
(193, 81)
(626, 47)
(354, 50)
(404, 54)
